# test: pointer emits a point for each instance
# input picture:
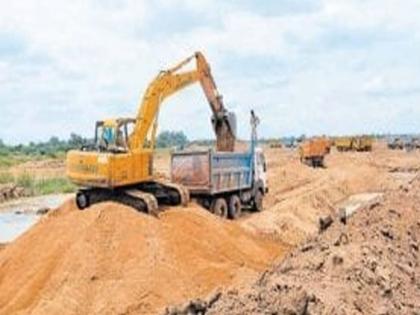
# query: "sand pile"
(299, 194)
(113, 260)
(368, 266)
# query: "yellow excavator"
(118, 166)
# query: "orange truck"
(313, 151)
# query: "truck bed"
(209, 172)
(313, 148)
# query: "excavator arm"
(169, 82)
(224, 122)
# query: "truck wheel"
(258, 201)
(219, 207)
(235, 207)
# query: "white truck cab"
(260, 167)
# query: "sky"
(306, 67)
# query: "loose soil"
(112, 260)
(368, 266)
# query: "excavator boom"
(224, 122)
(172, 80)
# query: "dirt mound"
(368, 266)
(113, 260)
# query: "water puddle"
(19, 215)
(12, 225)
(32, 204)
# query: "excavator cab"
(113, 135)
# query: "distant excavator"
(119, 164)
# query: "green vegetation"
(170, 139)
(56, 148)
(35, 186)
(11, 155)
(6, 177)
(53, 185)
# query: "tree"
(76, 141)
(168, 139)
(54, 141)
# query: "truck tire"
(219, 207)
(258, 201)
(235, 207)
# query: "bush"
(53, 185)
(168, 139)
(38, 186)
(6, 178)
(26, 181)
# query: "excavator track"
(183, 192)
(137, 199)
(144, 198)
(141, 201)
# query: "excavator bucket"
(225, 129)
(231, 119)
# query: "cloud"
(312, 66)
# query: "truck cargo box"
(314, 147)
(343, 143)
(209, 172)
(363, 143)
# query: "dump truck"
(362, 143)
(276, 144)
(412, 143)
(415, 143)
(356, 143)
(224, 182)
(396, 144)
(118, 165)
(312, 151)
(343, 144)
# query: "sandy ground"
(112, 260)
(370, 265)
